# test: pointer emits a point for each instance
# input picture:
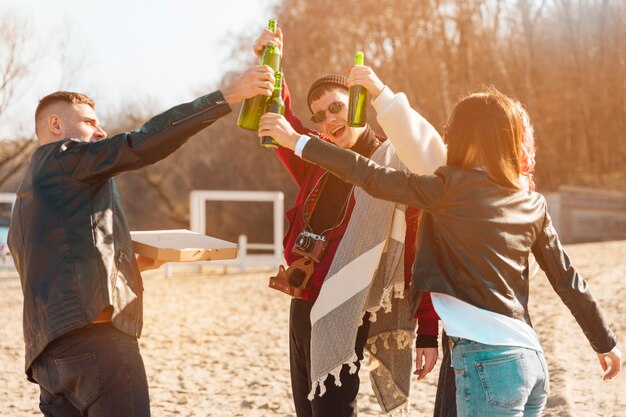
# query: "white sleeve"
(418, 144)
(300, 144)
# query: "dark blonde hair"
(68, 97)
(492, 125)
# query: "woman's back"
(481, 234)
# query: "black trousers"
(337, 401)
(445, 401)
(95, 371)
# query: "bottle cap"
(272, 25)
(359, 58)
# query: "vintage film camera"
(310, 245)
(294, 279)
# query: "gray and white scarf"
(367, 275)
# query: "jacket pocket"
(123, 295)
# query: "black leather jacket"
(475, 238)
(68, 235)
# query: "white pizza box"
(181, 245)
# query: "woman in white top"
(481, 223)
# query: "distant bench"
(582, 214)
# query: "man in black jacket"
(72, 248)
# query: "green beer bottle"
(254, 107)
(357, 102)
(274, 105)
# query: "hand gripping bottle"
(274, 105)
(254, 107)
(357, 102)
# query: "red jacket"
(306, 176)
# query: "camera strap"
(294, 279)
(312, 199)
(310, 203)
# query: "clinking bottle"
(357, 102)
(254, 107)
(274, 105)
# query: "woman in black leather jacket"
(481, 222)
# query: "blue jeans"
(498, 380)
(95, 371)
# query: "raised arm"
(418, 144)
(161, 135)
(157, 138)
(380, 182)
(296, 166)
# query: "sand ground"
(216, 345)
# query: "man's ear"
(54, 124)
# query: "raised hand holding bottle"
(274, 105)
(357, 102)
(253, 108)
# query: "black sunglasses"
(320, 116)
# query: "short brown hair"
(63, 96)
(491, 123)
(68, 97)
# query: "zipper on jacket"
(118, 262)
(113, 279)
(191, 116)
(116, 271)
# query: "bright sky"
(152, 52)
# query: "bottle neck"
(278, 84)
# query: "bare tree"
(564, 59)
(15, 67)
(19, 55)
(14, 156)
(15, 64)
(71, 64)
(435, 51)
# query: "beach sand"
(216, 345)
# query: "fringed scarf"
(367, 275)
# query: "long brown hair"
(489, 125)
